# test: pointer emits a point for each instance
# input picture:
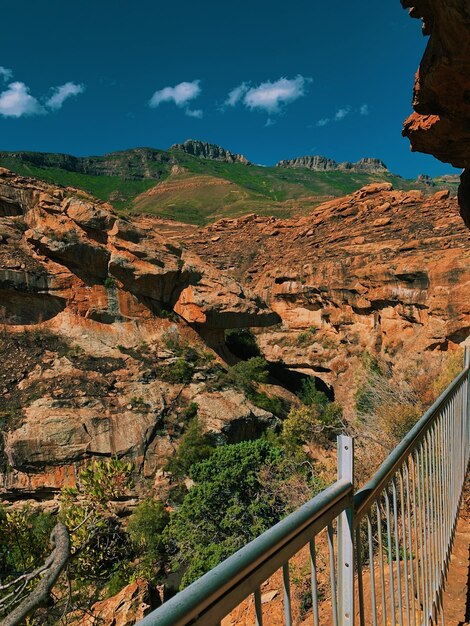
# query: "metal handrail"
(404, 518)
(366, 496)
(233, 579)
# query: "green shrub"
(268, 403)
(310, 395)
(190, 411)
(306, 337)
(245, 374)
(109, 282)
(146, 529)
(195, 446)
(24, 540)
(181, 371)
(106, 479)
(225, 509)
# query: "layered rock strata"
(205, 150)
(324, 164)
(380, 270)
(95, 311)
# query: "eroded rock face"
(120, 306)
(380, 270)
(441, 122)
(57, 248)
(324, 164)
(205, 150)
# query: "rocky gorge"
(114, 302)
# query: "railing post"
(346, 536)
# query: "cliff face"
(380, 270)
(441, 122)
(206, 150)
(98, 362)
(135, 164)
(323, 164)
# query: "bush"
(302, 426)
(181, 371)
(106, 480)
(245, 374)
(309, 394)
(146, 531)
(24, 540)
(268, 403)
(225, 509)
(195, 446)
(109, 282)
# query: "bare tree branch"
(53, 566)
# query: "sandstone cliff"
(441, 122)
(380, 270)
(324, 164)
(113, 355)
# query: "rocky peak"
(424, 179)
(205, 150)
(323, 164)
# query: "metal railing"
(386, 548)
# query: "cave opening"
(241, 342)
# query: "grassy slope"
(102, 187)
(197, 197)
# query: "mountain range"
(197, 182)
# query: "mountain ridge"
(194, 177)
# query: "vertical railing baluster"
(381, 564)
(421, 534)
(313, 569)
(372, 571)
(390, 557)
(345, 534)
(397, 551)
(286, 588)
(411, 544)
(258, 608)
(405, 548)
(331, 552)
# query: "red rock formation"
(115, 290)
(441, 122)
(380, 270)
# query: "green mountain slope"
(197, 190)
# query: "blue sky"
(270, 79)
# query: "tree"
(226, 508)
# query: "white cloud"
(16, 101)
(271, 96)
(5, 73)
(197, 113)
(341, 113)
(181, 94)
(364, 110)
(61, 94)
(236, 95)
